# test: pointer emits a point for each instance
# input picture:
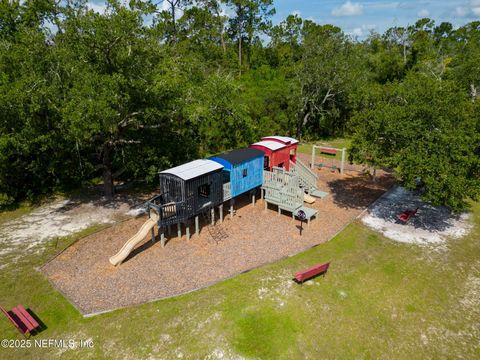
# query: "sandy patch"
(430, 226)
(57, 219)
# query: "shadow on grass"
(42, 327)
(309, 279)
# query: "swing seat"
(333, 168)
(320, 166)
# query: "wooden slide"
(134, 240)
(308, 199)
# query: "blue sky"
(357, 17)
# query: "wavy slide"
(133, 241)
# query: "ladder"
(217, 233)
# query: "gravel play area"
(256, 237)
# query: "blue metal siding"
(225, 163)
(254, 178)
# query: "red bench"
(406, 215)
(311, 272)
(327, 150)
(21, 318)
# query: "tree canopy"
(126, 92)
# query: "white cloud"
(357, 32)
(296, 13)
(406, 6)
(362, 30)
(461, 11)
(423, 13)
(348, 9)
(97, 7)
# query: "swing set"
(328, 162)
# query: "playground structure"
(135, 239)
(196, 188)
(277, 154)
(282, 188)
(307, 180)
(242, 170)
(331, 152)
(255, 237)
(290, 143)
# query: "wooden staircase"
(307, 178)
(282, 188)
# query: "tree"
(203, 27)
(251, 17)
(286, 42)
(36, 155)
(108, 61)
(465, 67)
(324, 74)
(422, 128)
(170, 16)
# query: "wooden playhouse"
(242, 170)
(188, 190)
(290, 143)
(276, 154)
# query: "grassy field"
(380, 299)
(306, 148)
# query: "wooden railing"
(227, 194)
(282, 189)
(307, 177)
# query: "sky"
(358, 18)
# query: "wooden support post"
(169, 229)
(162, 238)
(153, 234)
(188, 230)
(220, 209)
(343, 161)
(197, 227)
(212, 212)
(179, 230)
(231, 208)
(312, 164)
(253, 198)
(279, 211)
(261, 193)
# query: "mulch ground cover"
(255, 237)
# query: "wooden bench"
(329, 151)
(406, 215)
(311, 272)
(21, 319)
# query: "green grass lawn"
(338, 143)
(380, 299)
(20, 209)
